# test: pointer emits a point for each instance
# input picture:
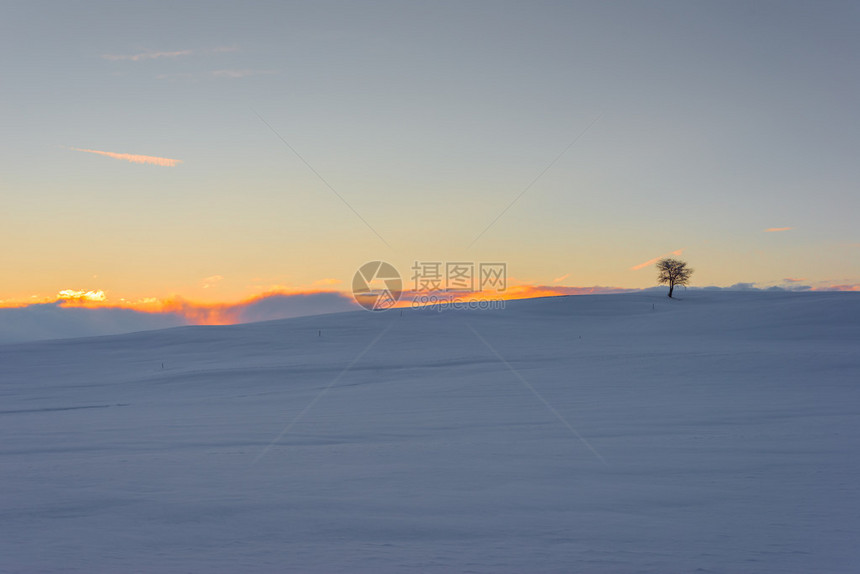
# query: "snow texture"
(612, 433)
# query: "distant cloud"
(792, 280)
(76, 315)
(562, 278)
(774, 229)
(650, 262)
(789, 288)
(146, 159)
(146, 56)
(58, 321)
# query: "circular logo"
(377, 286)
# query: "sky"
(218, 152)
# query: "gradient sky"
(710, 123)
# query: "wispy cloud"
(149, 55)
(774, 229)
(133, 158)
(793, 280)
(562, 278)
(650, 262)
(162, 54)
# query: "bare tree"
(673, 272)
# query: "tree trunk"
(671, 288)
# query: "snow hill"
(611, 433)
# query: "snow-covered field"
(718, 433)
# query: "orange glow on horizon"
(512, 293)
(197, 313)
(193, 312)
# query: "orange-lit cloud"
(271, 305)
(844, 287)
(199, 313)
(71, 295)
(147, 159)
(16, 304)
(562, 278)
(650, 262)
(773, 229)
(64, 298)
